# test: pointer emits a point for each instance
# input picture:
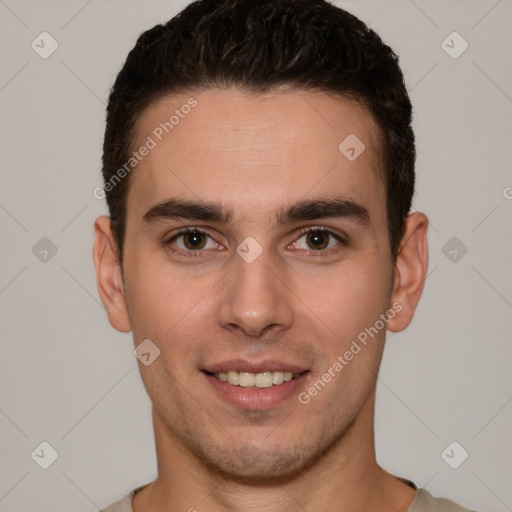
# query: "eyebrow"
(310, 209)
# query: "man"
(259, 170)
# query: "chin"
(249, 464)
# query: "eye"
(317, 239)
(191, 239)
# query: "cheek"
(348, 298)
(350, 305)
(168, 307)
(152, 296)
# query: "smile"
(264, 379)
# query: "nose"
(254, 299)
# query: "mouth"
(265, 379)
(255, 386)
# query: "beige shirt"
(423, 502)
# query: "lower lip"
(256, 398)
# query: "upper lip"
(241, 365)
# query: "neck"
(347, 478)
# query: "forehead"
(252, 152)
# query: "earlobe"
(410, 270)
(108, 275)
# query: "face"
(256, 250)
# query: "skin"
(255, 155)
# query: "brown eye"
(191, 241)
(317, 240)
(194, 240)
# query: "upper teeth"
(259, 380)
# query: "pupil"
(194, 240)
(317, 240)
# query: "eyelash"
(167, 243)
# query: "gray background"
(69, 379)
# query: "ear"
(410, 270)
(108, 275)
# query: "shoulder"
(125, 503)
(425, 502)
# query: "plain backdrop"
(69, 379)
